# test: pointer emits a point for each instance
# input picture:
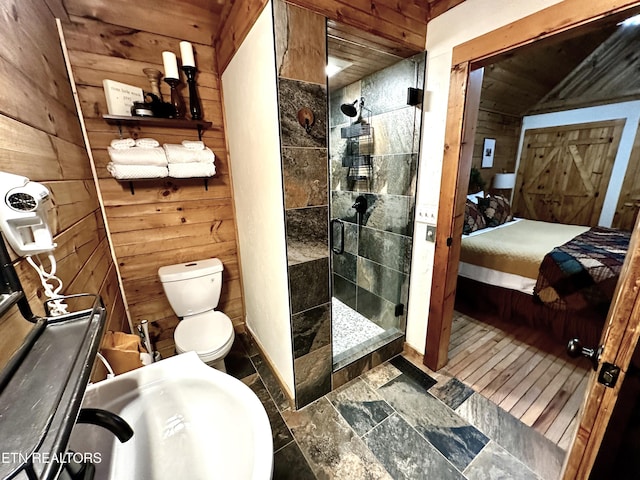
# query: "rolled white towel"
(190, 170)
(138, 156)
(123, 143)
(147, 143)
(181, 154)
(132, 172)
(193, 144)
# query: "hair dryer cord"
(58, 307)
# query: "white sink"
(189, 421)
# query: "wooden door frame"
(624, 317)
(456, 164)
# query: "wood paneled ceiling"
(365, 52)
(514, 83)
(609, 74)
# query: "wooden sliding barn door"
(629, 200)
(564, 172)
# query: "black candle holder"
(194, 101)
(176, 98)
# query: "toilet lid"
(204, 333)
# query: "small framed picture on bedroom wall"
(488, 149)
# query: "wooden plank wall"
(166, 221)
(40, 138)
(438, 7)
(505, 129)
(629, 199)
(234, 27)
(190, 20)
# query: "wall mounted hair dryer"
(23, 215)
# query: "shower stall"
(374, 126)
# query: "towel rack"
(133, 190)
(199, 125)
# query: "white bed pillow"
(473, 197)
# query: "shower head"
(349, 109)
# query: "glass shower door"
(373, 148)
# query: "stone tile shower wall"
(372, 275)
(300, 38)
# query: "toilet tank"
(192, 287)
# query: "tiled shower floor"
(395, 421)
(349, 328)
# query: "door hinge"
(449, 241)
(608, 375)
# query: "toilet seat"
(210, 334)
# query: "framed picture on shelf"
(488, 149)
(120, 97)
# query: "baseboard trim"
(274, 371)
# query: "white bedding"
(494, 277)
(542, 237)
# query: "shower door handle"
(337, 225)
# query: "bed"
(554, 277)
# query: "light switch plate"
(426, 213)
(431, 233)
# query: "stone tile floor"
(395, 422)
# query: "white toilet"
(193, 290)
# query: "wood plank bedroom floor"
(522, 371)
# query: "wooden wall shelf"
(121, 120)
(157, 122)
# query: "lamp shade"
(504, 180)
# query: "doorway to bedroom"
(555, 141)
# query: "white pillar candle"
(170, 65)
(186, 52)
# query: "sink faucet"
(82, 470)
(112, 422)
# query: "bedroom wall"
(444, 32)
(629, 111)
(505, 129)
(497, 122)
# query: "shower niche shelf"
(359, 138)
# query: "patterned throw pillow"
(473, 218)
(496, 210)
